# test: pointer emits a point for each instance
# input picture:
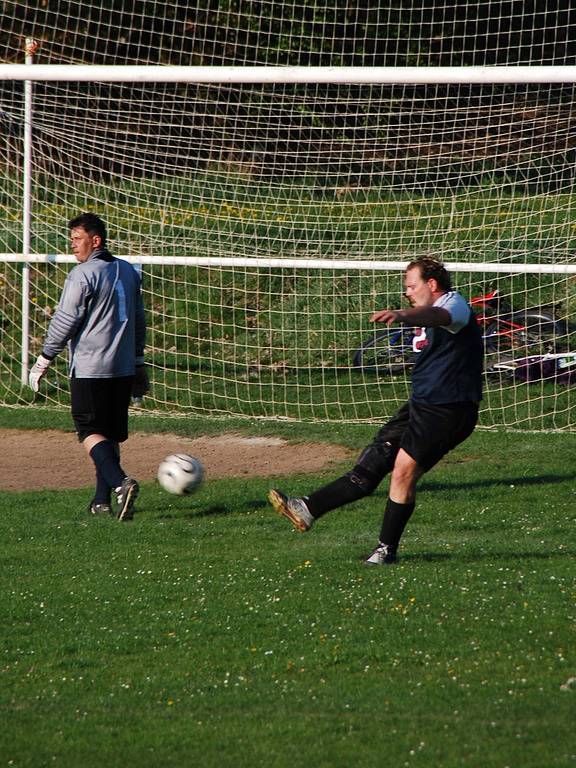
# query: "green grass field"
(208, 633)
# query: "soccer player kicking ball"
(440, 414)
(101, 317)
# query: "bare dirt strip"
(36, 460)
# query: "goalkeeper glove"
(140, 384)
(38, 371)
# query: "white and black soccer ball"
(181, 474)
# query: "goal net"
(269, 218)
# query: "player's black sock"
(102, 495)
(107, 463)
(335, 494)
(395, 518)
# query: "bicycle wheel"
(525, 333)
(387, 351)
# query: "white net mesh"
(479, 175)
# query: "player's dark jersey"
(448, 368)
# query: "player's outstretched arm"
(387, 316)
(424, 316)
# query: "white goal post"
(271, 208)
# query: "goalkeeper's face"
(420, 292)
(83, 243)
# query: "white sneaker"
(294, 509)
(384, 554)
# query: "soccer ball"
(180, 474)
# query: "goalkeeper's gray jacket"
(101, 318)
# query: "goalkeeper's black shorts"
(100, 407)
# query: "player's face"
(419, 292)
(83, 243)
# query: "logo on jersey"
(419, 340)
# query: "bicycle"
(506, 332)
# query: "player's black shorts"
(100, 407)
(429, 432)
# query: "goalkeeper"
(100, 317)
(440, 414)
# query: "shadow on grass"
(218, 510)
(462, 557)
(432, 485)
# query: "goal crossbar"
(296, 74)
(278, 263)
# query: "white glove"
(38, 371)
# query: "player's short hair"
(91, 224)
(432, 269)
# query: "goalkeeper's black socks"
(396, 517)
(102, 494)
(105, 457)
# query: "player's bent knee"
(406, 473)
(364, 483)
